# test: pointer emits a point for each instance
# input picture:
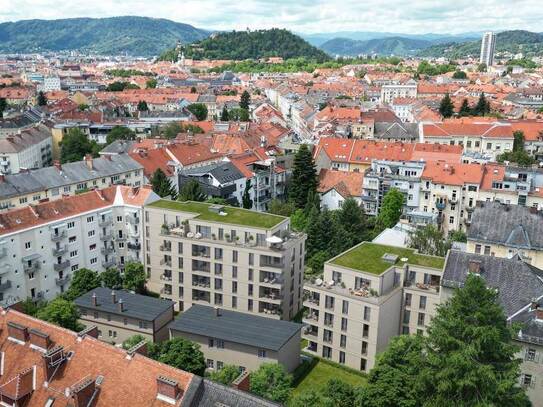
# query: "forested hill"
(139, 36)
(529, 43)
(240, 45)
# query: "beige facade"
(224, 262)
(533, 257)
(531, 370)
(352, 314)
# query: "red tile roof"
(189, 153)
(453, 174)
(461, 128)
(348, 184)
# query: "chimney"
(52, 360)
(84, 393)
(217, 312)
(474, 266)
(533, 210)
(89, 331)
(140, 348)
(113, 297)
(539, 313)
(242, 382)
(120, 305)
(88, 161)
(17, 333)
(94, 300)
(39, 340)
(57, 165)
(167, 390)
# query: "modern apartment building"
(27, 149)
(237, 259)
(391, 92)
(488, 46)
(42, 245)
(62, 180)
(236, 338)
(366, 296)
(120, 314)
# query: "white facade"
(488, 46)
(391, 92)
(50, 83)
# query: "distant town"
(284, 227)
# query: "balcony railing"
(55, 237)
(29, 268)
(105, 236)
(133, 220)
(61, 266)
(165, 247)
(6, 285)
(59, 251)
(165, 262)
(106, 250)
(105, 222)
(134, 246)
(108, 263)
(62, 280)
(164, 277)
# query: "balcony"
(105, 222)
(60, 281)
(133, 220)
(165, 277)
(31, 268)
(274, 262)
(165, 247)
(108, 263)
(166, 262)
(105, 236)
(59, 251)
(440, 205)
(166, 291)
(55, 237)
(106, 250)
(134, 246)
(61, 266)
(6, 285)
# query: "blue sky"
(308, 16)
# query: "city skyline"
(306, 17)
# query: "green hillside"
(529, 43)
(139, 36)
(381, 46)
(240, 45)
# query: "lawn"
(234, 216)
(322, 372)
(367, 257)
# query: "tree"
(394, 380)
(245, 100)
(465, 109)
(278, 207)
(429, 240)
(134, 277)
(238, 115)
(61, 312)
(199, 110)
(310, 399)
(458, 236)
(172, 130)
(83, 281)
(42, 99)
(459, 75)
(151, 83)
(120, 133)
(304, 177)
(111, 278)
(482, 107)
(142, 106)
(446, 107)
(246, 200)
(224, 114)
(32, 307)
(469, 353)
(162, 186)
(192, 191)
(518, 142)
(340, 392)
(118, 86)
(352, 219)
(226, 375)
(391, 209)
(133, 341)
(272, 382)
(3, 106)
(181, 354)
(193, 89)
(75, 145)
(481, 67)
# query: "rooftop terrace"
(368, 257)
(234, 216)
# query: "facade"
(94, 373)
(366, 296)
(197, 253)
(62, 180)
(488, 46)
(42, 245)
(240, 339)
(391, 92)
(27, 149)
(49, 84)
(119, 314)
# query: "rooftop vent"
(216, 208)
(390, 258)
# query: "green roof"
(367, 257)
(234, 216)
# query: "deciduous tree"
(246, 200)
(83, 281)
(120, 133)
(75, 145)
(111, 278)
(134, 277)
(429, 240)
(61, 312)
(391, 209)
(199, 110)
(181, 354)
(272, 382)
(226, 375)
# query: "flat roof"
(367, 257)
(237, 327)
(134, 305)
(234, 216)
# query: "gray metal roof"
(118, 147)
(134, 305)
(388, 130)
(517, 282)
(518, 226)
(206, 393)
(77, 172)
(237, 327)
(223, 172)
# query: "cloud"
(309, 16)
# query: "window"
(234, 302)
(530, 355)
(451, 219)
(408, 297)
(73, 253)
(526, 380)
(422, 302)
(234, 271)
(342, 357)
(343, 324)
(405, 330)
(28, 245)
(365, 331)
(90, 219)
(343, 341)
(219, 343)
(487, 250)
(364, 349)
(143, 325)
(235, 256)
(94, 260)
(478, 248)
(345, 307)
(363, 365)
(119, 219)
(71, 225)
(406, 316)
(211, 342)
(72, 239)
(420, 319)
(90, 233)
(219, 365)
(234, 287)
(210, 363)
(367, 313)
(326, 352)
(261, 353)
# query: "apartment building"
(42, 245)
(366, 296)
(27, 149)
(504, 230)
(240, 339)
(237, 259)
(62, 180)
(393, 91)
(119, 315)
(94, 373)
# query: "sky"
(304, 16)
